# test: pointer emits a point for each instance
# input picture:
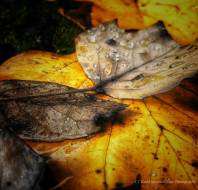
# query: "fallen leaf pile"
(119, 114)
(152, 144)
(180, 17)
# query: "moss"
(27, 25)
(64, 37)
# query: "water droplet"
(141, 42)
(102, 27)
(175, 64)
(92, 38)
(123, 43)
(131, 44)
(122, 31)
(114, 55)
(153, 174)
(116, 35)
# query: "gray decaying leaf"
(107, 51)
(21, 168)
(157, 76)
(32, 115)
(141, 63)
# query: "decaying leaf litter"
(164, 133)
(135, 64)
(33, 115)
(21, 167)
(123, 65)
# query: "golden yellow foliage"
(45, 66)
(125, 11)
(148, 143)
(180, 17)
(153, 140)
(99, 16)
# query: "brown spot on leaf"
(194, 164)
(136, 185)
(143, 4)
(126, 2)
(105, 184)
(165, 169)
(147, 137)
(119, 185)
(177, 7)
(161, 127)
(98, 171)
(155, 156)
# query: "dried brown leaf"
(66, 114)
(21, 168)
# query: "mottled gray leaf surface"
(20, 167)
(144, 62)
(32, 115)
(157, 76)
(107, 51)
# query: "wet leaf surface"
(153, 141)
(136, 64)
(21, 168)
(33, 115)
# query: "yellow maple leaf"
(179, 16)
(125, 11)
(148, 144)
(45, 66)
(152, 144)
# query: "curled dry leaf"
(136, 64)
(21, 168)
(106, 51)
(66, 114)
